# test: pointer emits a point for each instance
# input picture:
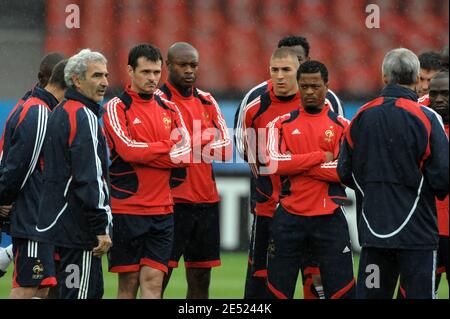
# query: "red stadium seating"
(235, 38)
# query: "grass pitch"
(227, 281)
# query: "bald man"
(196, 210)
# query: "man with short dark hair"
(309, 221)
(255, 286)
(439, 103)
(196, 210)
(430, 64)
(147, 137)
(282, 98)
(46, 66)
(21, 183)
(74, 210)
(394, 157)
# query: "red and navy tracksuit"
(309, 219)
(75, 205)
(147, 137)
(21, 184)
(196, 210)
(255, 287)
(395, 158)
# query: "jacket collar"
(397, 91)
(72, 94)
(138, 97)
(45, 96)
(174, 91)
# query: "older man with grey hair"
(74, 212)
(395, 157)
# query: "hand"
(104, 243)
(4, 210)
(329, 156)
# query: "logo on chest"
(205, 116)
(167, 121)
(329, 134)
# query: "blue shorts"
(197, 235)
(141, 241)
(33, 264)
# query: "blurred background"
(235, 39)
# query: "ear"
(385, 79)
(327, 84)
(129, 70)
(76, 81)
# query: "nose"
(104, 81)
(280, 74)
(439, 98)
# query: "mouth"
(440, 107)
(101, 92)
(188, 80)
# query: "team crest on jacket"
(205, 116)
(167, 121)
(38, 270)
(329, 134)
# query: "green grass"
(227, 281)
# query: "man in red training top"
(196, 210)
(302, 146)
(282, 98)
(439, 103)
(143, 129)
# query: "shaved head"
(182, 64)
(180, 48)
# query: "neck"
(412, 87)
(314, 110)
(184, 91)
(55, 91)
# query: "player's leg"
(150, 280)
(417, 273)
(442, 265)
(183, 227)
(6, 258)
(443, 255)
(256, 287)
(155, 255)
(203, 250)
(81, 274)
(128, 285)
(330, 243)
(249, 288)
(33, 268)
(377, 274)
(312, 282)
(285, 253)
(124, 255)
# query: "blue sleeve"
(23, 153)
(345, 158)
(89, 184)
(336, 103)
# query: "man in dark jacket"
(20, 185)
(74, 212)
(395, 157)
